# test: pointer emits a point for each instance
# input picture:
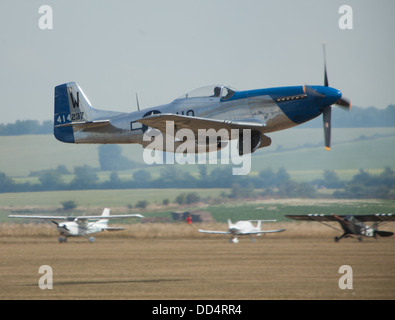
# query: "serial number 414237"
(70, 117)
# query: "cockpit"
(212, 91)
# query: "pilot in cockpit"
(217, 91)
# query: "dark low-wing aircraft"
(352, 225)
(210, 108)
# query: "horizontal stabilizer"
(384, 233)
(85, 124)
(214, 232)
(113, 229)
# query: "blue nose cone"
(330, 96)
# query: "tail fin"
(106, 213)
(71, 106)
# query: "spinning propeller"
(61, 225)
(327, 111)
(329, 96)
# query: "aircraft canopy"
(216, 90)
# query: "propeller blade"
(344, 103)
(327, 113)
(61, 225)
(137, 100)
(326, 82)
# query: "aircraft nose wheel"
(233, 240)
(62, 239)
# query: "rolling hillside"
(299, 151)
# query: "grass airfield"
(175, 262)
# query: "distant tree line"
(86, 177)
(21, 127)
(357, 117)
(266, 183)
(365, 185)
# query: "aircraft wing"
(158, 121)
(242, 233)
(265, 231)
(109, 217)
(71, 218)
(323, 217)
(40, 217)
(313, 217)
(376, 217)
(214, 232)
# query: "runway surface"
(273, 267)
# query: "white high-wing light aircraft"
(243, 228)
(210, 116)
(80, 226)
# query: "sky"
(163, 49)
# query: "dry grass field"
(175, 262)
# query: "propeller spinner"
(61, 225)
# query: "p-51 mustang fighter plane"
(80, 226)
(208, 109)
(352, 225)
(243, 228)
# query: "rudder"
(71, 106)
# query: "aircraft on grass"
(243, 228)
(204, 112)
(80, 226)
(352, 225)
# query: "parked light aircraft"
(243, 228)
(352, 225)
(80, 226)
(210, 108)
